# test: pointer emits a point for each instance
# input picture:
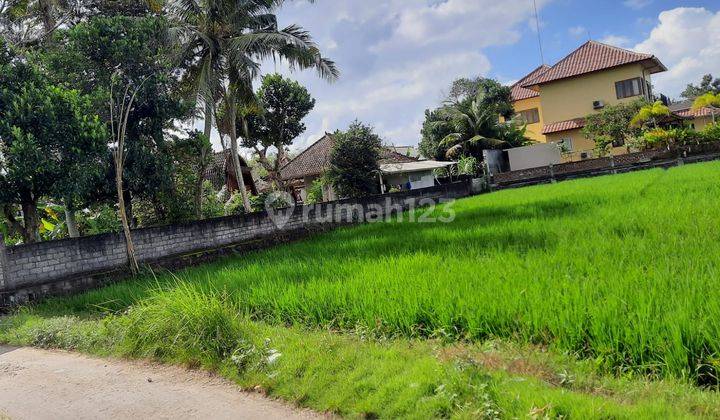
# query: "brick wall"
(71, 265)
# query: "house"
(410, 151)
(554, 100)
(410, 175)
(309, 166)
(695, 118)
(221, 174)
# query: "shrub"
(603, 143)
(468, 165)
(315, 192)
(711, 133)
(659, 137)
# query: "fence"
(619, 163)
(32, 271)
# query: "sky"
(398, 57)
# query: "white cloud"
(398, 56)
(616, 40)
(637, 4)
(687, 41)
(577, 31)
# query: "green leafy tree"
(354, 159)
(649, 114)
(223, 43)
(612, 125)
(492, 93)
(51, 145)
(134, 51)
(468, 121)
(436, 127)
(707, 85)
(282, 105)
(192, 155)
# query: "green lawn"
(619, 272)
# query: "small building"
(221, 174)
(307, 167)
(410, 175)
(695, 118)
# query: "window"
(530, 116)
(629, 88)
(565, 145)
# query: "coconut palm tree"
(222, 45)
(473, 127)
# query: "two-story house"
(554, 100)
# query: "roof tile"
(559, 126)
(316, 159)
(590, 57)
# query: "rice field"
(623, 270)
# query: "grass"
(620, 272)
(355, 375)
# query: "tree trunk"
(235, 157)
(71, 223)
(31, 221)
(127, 198)
(208, 119)
(130, 248)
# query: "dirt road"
(40, 384)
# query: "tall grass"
(621, 269)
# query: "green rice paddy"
(623, 270)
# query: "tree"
(650, 113)
(708, 100)
(51, 145)
(87, 57)
(354, 159)
(493, 94)
(468, 121)
(282, 105)
(436, 127)
(707, 85)
(192, 155)
(223, 42)
(612, 125)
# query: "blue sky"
(398, 57)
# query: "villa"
(554, 100)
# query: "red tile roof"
(559, 126)
(316, 159)
(695, 113)
(594, 56)
(519, 93)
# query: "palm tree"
(223, 43)
(650, 113)
(473, 127)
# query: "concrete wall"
(72, 265)
(543, 154)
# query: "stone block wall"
(29, 272)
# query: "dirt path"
(39, 384)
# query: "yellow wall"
(702, 122)
(534, 131)
(573, 98)
(579, 144)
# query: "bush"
(602, 144)
(711, 133)
(468, 165)
(315, 192)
